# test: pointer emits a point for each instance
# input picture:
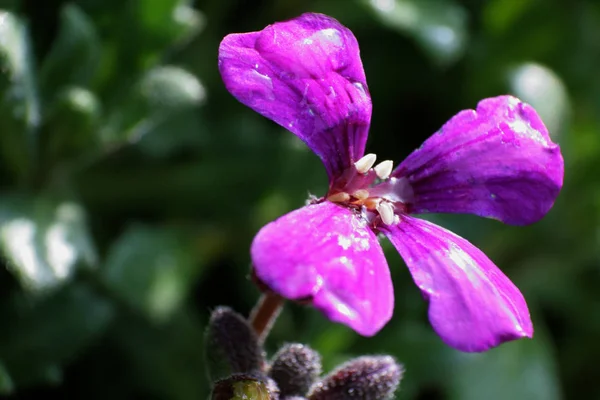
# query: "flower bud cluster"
(238, 368)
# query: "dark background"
(132, 184)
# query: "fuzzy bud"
(365, 378)
(231, 346)
(245, 387)
(295, 368)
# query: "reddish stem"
(265, 313)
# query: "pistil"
(386, 212)
(354, 189)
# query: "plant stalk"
(264, 314)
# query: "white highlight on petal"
(384, 169)
(360, 90)
(344, 242)
(330, 35)
(470, 270)
(364, 164)
(265, 84)
(386, 212)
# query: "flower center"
(369, 189)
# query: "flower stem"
(265, 313)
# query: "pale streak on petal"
(473, 305)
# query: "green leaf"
(72, 124)
(43, 240)
(137, 34)
(152, 269)
(75, 54)
(160, 25)
(523, 369)
(181, 20)
(7, 385)
(439, 26)
(162, 93)
(166, 360)
(183, 132)
(169, 89)
(500, 15)
(545, 91)
(10, 5)
(19, 103)
(46, 334)
(427, 359)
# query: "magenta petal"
(473, 306)
(497, 161)
(306, 75)
(328, 255)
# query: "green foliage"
(75, 53)
(47, 332)
(162, 94)
(519, 370)
(19, 101)
(131, 185)
(151, 269)
(440, 26)
(43, 240)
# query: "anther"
(384, 169)
(372, 203)
(364, 164)
(386, 212)
(361, 194)
(339, 197)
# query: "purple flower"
(496, 161)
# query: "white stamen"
(339, 197)
(361, 194)
(384, 169)
(386, 212)
(364, 164)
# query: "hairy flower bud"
(231, 346)
(295, 368)
(365, 378)
(245, 387)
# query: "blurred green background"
(132, 184)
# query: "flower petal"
(473, 306)
(497, 161)
(306, 75)
(327, 254)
